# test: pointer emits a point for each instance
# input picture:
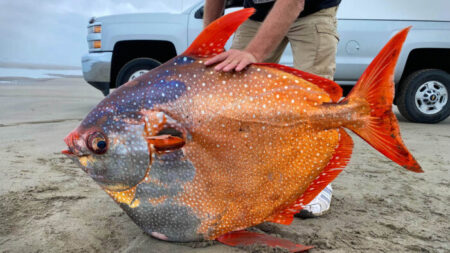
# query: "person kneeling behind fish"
(308, 25)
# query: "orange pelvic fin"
(337, 163)
(245, 238)
(376, 87)
(212, 39)
(333, 89)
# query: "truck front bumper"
(97, 70)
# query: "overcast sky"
(54, 31)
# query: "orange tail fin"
(376, 87)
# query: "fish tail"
(375, 90)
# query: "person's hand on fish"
(268, 37)
(232, 60)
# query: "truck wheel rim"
(137, 74)
(431, 97)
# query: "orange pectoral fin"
(164, 133)
(244, 238)
(165, 142)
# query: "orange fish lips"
(73, 143)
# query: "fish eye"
(97, 143)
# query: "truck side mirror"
(199, 13)
(228, 4)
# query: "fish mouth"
(74, 143)
(78, 160)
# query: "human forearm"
(268, 37)
(274, 27)
(213, 10)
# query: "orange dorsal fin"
(212, 39)
(246, 238)
(333, 89)
(340, 159)
(376, 89)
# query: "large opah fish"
(190, 153)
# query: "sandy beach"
(47, 204)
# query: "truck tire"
(424, 96)
(134, 69)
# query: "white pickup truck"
(123, 47)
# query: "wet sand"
(47, 204)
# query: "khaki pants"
(313, 41)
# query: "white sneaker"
(319, 205)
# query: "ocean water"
(37, 73)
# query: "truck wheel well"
(426, 58)
(124, 51)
